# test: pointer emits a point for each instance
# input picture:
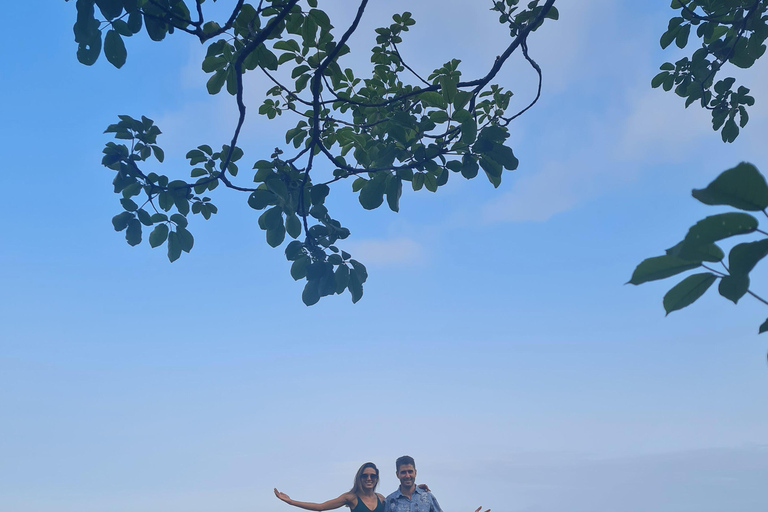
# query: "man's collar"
(416, 490)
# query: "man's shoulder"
(394, 494)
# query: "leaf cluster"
(380, 131)
(730, 31)
(743, 188)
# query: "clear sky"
(496, 341)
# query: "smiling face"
(369, 478)
(406, 473)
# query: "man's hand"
(287, 499)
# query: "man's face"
(407, 475)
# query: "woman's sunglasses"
(366, 476)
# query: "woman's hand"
(425, 487)
(285, 497)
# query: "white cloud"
(536, 197)
(393, 251)
(658, 126)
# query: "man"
(408, 497)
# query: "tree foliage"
(743, 188)
(731, 32)
(378, 132)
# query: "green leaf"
(682, 36)
(433, 99)
(111, 9)
(439, 116)
(688, 291)
(394, 191)
(294, 250)
(743, 257)
(660, 267)
(129, 205)
(158, 236)
(696, 253)
(293, 225)
(763, 327)
(144, 217)
(430, 182)
(88, 50)
(667, 38)
(659, 79)
(159, 153)
(321, 19)
(133, 232)
(468, 131)
(134, 22)
(469, 167)
(174, 247)
(114, 49)
(299, 268)
(716, 227)
(186, 240)
(179, 220)
(448, 86)
(372, 194)
(490, 166)
(742, 187)
(504, 156)
(276, 235)
(122, 28)
(318, 193)
(216, 82)
(342, 278)
(311, 294)
(355, 286)
(271, 219)
(156, 29)
(730, 131)
(260, 199)
(734, 287)
(358, 184)
(120, 221)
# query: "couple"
(363, 497)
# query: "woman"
(361, 498)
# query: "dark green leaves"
(730, 33)
(378, 130)
(743, 257)
(742, 187)
(734, 287)
(87, 33)
(114, 49)
(159, 235)
(688, 291)
(716, 227)
(372, 193)
(660, 267)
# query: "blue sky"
(496, 341)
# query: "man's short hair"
(403, 461)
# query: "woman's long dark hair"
(357, 488)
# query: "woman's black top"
(362, 507)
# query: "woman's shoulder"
(351, 499)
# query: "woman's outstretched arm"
(345, 499)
